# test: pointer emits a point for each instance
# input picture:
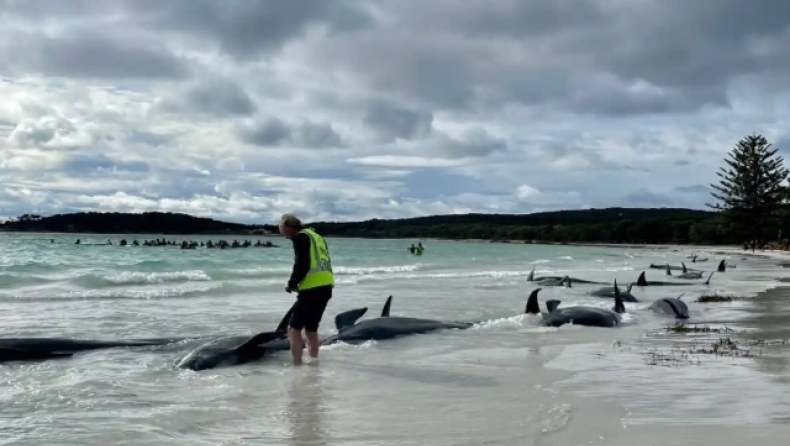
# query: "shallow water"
(507, 380)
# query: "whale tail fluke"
(532, 302)
(641, 281)
(552, 304)
(349, 318)
(619, 307)
(282, 327)
(707, 282)
(385, 312)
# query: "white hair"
(290, 220)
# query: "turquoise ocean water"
(506, 380)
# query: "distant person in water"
(312, 279)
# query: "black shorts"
(309, 308)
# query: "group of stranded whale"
(237, 350)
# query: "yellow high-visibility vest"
(320, 273)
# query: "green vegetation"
(751, 192)
(124, 223)
(753, 207)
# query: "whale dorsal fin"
(566, 280)
(681, 295)
(531, 276)
(283, 325)
(619, 307)
(683, 264)
(641, 281)
(532, 303)
(349, 318)
(669, 270)
(630, 285)
(722, 266)
(552, 304)
(707, 282)
(385, 312)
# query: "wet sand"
(767, 319)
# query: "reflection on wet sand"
(306, 407)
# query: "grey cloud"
(645, 198)
(474, 143)
(91, 55)
(456, 54)
(695, 189)
(215, 96)
(681, 163)
(247, 28)
(391, 122)
(81, 164)
(273, 132)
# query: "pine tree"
(750, 191)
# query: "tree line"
(752, 206)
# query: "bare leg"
(295, 336)
(312, 343)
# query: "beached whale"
(59, 347)
(238, 350)
(671, 267)
(552, 281)
(15, 354)
(577, 315)
(531, 277)
(642, 281)
(671, 306)
(610, 292)
(383, 327)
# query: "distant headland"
(610, 225)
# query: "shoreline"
(599, 420)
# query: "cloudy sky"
(343, 110)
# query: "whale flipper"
(260, 338)
(349, 318)
(385, 312)
(641, 281)
(552, 304)
(532, 303)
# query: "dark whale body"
(45, 348)
(384, 327)
(577, 315)
(642, 281)
(238, 350)
(609, 292)
(671, 306)
(531, 278)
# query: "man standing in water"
(312, 279)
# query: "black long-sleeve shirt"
(301, 242)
